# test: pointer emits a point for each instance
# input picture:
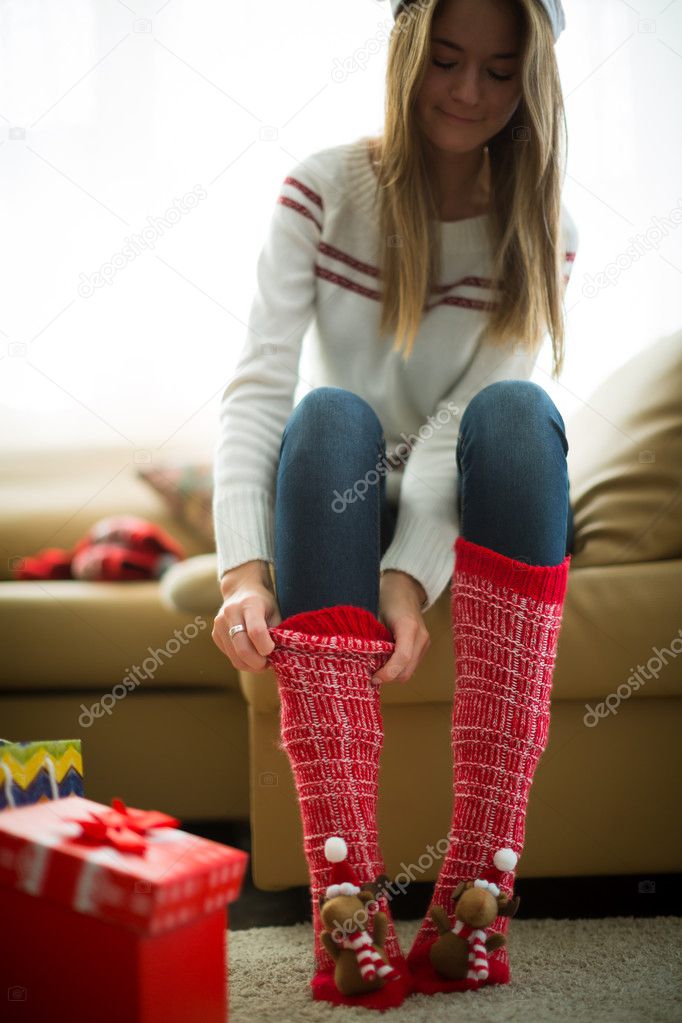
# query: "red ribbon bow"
(124, 827)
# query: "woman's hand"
(248, 599)
(400, 601)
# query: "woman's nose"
(466, 86)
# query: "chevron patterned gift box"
(31, 772)
(110, 913)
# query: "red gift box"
(120, 918)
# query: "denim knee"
(508, 404)
(324, 411)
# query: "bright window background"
(113, 113)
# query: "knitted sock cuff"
(343, 626)
(546, 583)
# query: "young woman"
(431, 262)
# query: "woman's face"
(474, 84)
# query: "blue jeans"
(512, 494)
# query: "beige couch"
(601, 799)
(178, 740)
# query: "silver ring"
(235, 629)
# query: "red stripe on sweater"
(463, 302)
(359, 289)
(344, 257)
(303, 210)
(332, 252)
(372, 271)
(308, 192)
(471, 282)
(367, 268)
(345, 282)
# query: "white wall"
(111, 112)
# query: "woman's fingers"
(249, 648)
(404, 631)
(257, 628)
(247, 652)
(222, 640)
(412, 640)
(419, 650)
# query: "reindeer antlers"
(377, 887)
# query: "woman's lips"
(458, 120)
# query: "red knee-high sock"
(332, 731)
(506, 618)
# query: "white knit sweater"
(318, 268)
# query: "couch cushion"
(69, 634)
(187, 489)
(192, 585)
(185, 753)
(625, 459)
(51, 499)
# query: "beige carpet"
(619, 969)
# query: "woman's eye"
(495, 77)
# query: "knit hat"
(344, 881)
(555, 13)
(504, 860)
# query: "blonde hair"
(525, 194)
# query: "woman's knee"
(506, 406)
(328, 410)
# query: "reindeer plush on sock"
(461, 951)
(361, 962)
